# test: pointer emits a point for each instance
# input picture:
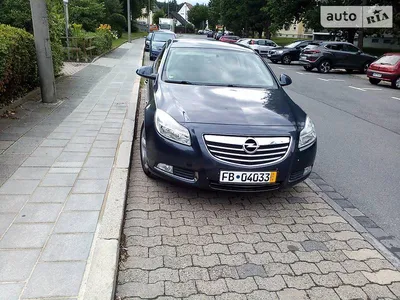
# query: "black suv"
(288, 53)
(335, 55)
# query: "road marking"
(323, 79)
(330, 79)
(372, 89)
(300, 73)
(396, 98)
(282, 68)
(356, 88)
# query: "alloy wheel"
(286, 59)
(366, 66)
(325, 67)
(396, 84)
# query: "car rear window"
(218, 67)
(162, 36)
(388, 60)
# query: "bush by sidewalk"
(18, 68)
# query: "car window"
(303, 45)
(159, 58)
(270, 43)
(293, 45)
(162, 36)
(336, 47)
(217, 67)
(388, 60)
(261, 42)
(349, 48)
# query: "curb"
(387, 245)
(100, 277)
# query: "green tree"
(16, 13)
(113, 7)
(198, 15)
(89, 13)
(157, 15)
(214, 13)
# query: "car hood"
(225, 105)
(157, 44)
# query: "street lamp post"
(66, 25)
(128, 8)
(148, 15)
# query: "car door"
(336, 55)
(262, 47)
(354, 59)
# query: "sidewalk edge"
(345, 214)
(100, 277)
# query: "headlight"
(147, 42)
(171, 129)
(307, 135)
(279, 51)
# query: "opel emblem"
(250, 146)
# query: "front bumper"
(195, 166)
(274, 56)
(382, 75)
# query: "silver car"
(261, 46)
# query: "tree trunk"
(260, 33)
(360, 42)
(267, 32)
(351, 32)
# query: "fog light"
(166, 168)
(307, 170)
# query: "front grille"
(243, 188)
(187, 174)
(260, 150)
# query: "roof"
(190, 6)
(196, 43)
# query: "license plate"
(247, 177)
(377, 75)
(303, 57)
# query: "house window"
(375, 41)
(387, 41)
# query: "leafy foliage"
(18, 68)
(89, 13)
(117, 22)
(198, 15)
(16, 13)
(157, 15)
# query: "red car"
(229, 39)
(386, 68)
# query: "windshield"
(388, 60)
(220, 67)
(293, 45)
(163, 36)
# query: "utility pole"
(128, 8)
(43, 50)
(148, 14)
(66, 25)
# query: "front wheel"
(143, 153)
(365, 67)
(286, 59)
(308, 68)
(374, 80)
(274, 61)
(324, 66)
(396, 83)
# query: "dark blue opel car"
(218, 118)
(158, 40)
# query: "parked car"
(262, 46)
(288, 53)
(386, 68)
(238, 132)
(243, 42)
(147, 42)
(200, 32)
(158, 40)
(335, 55)
(232, 39)
(210, 34)
(218, 35)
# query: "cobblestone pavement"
(183, 243)
(70, 68)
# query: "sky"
(194, 1)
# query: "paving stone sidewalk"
(55, 166)
(188, 244)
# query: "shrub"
(89, 13)
(118, 23)
(103, 39)
(18, 68)
(57, 31)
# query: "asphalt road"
(358, 127)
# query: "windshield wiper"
(180, 82)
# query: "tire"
(143, 154)
(364, 69)
(274, 61)
(286, 60)
(349, 71)
(324, 66)
(374, 80)
(396, 83)
(308, 68)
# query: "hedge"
(18, 68)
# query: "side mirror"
(146, 72)
(285, 80)
(359, 52)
